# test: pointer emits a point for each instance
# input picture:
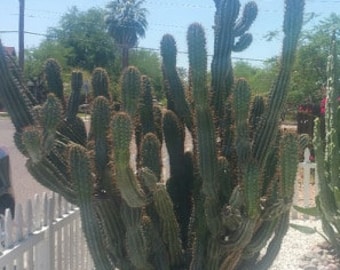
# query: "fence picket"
(8, 229)
(19, 220)
(47, 235)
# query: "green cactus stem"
(13, 94)
(121, 128)
(169, 226)
(100, 83)
(74, 100)
(173, 85)
(131, 90)
(151, 154)
(81, 175)
(230, 35)
(203, 117)
(54, 81)
(267, 128)
(327, 154)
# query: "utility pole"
(21, 33)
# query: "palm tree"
(126, 22)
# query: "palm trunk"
(125, 57)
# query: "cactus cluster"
(327, 154)
(224, 201)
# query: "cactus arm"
(241, 101)
(74, 100)
(180, 183)
(73, 130)
(207, 155)
(266, 133)
(121, 129)
(327, 156)
(151, 155)
(256, 112)
(242, 43)
(100, 83)
(260, 239)
(173, 84)
(246, 20)
(135, 239)
(81, 176)
(13, 94)
(54, 81)
(226, 30)
(146, 107)
(174, 139)
(289, 159)
(331, 119)
(235, 244)
(100, 122)
(158, 122)
(49, 176)
(51, 114)
(113, 228)
(158, 254)
(131, 90)
(169, 226)
(224, 174)
(251, 178)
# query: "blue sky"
(165, 16)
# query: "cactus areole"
(221, 204)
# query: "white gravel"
(297, 244)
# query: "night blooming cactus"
(224, 201)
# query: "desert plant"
(328, 155)
(224, 201)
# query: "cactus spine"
(225, 199)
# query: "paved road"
(24, 185)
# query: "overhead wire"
(154, 27)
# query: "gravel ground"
(300, 251)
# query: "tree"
(309, 75)
(148, 63)
(260, 78)
(126, 22)
(36, 57)
(83, 32)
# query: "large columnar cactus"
(224, 201)
(327, 152)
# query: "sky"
(164, 17)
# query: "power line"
(143, 48)
(210, 55)
(25, 32)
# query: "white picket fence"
(46, 235)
